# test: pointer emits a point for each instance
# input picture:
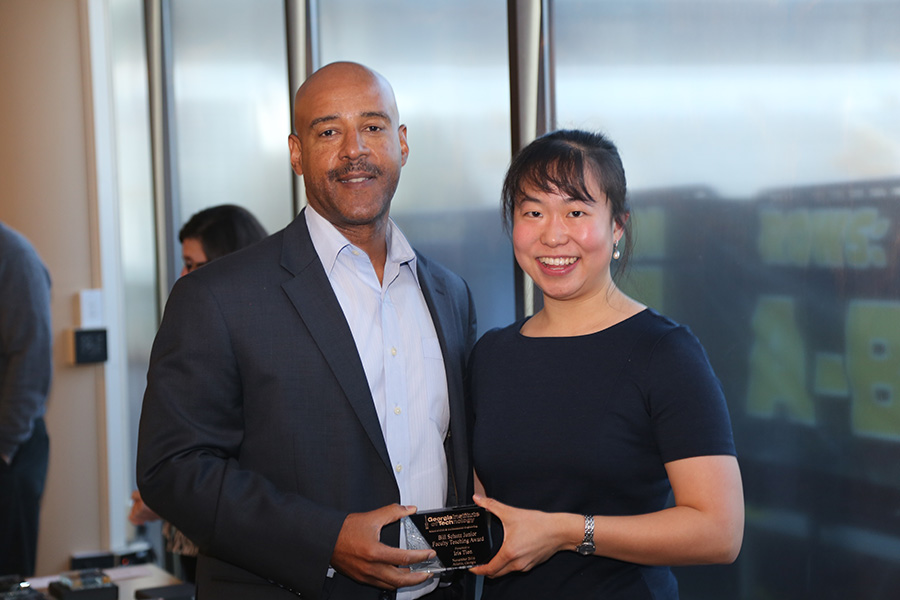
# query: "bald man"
(305, 394)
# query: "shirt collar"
(329, 242)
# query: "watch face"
(586, 549)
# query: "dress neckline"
(521, 324)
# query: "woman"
(590, 412)
(209, 234)
(216, 231)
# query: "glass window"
(762, 144)
(447, 63)
(230, 113)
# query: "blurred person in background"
(25, 372)
(214, 232)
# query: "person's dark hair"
(559, 161)
(222, 230)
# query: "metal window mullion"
(164, 163)
(302, 23)
(531, 101)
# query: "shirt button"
(398, 468)
(355, 252)
(397, 410)
(393, 352)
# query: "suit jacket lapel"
(442, 311)
(441, 308)
(311, 294)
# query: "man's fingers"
(393, 578)
(360, 555)
(411, 557)
(387, 576)
(390, 555)
(393, 512)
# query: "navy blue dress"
(585, 425)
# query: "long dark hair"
(222, 230)
(559, 162)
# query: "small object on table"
(87, 584)
(14, 587)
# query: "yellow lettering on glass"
(828, 236)
(873, 364)
(785, 237)
(824, 237)
(863, 228)
(777, 378)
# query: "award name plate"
(461, 537)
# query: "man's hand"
(7, 459)
(359, 553)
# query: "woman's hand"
(140, 512)
(530, 537)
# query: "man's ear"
(296, 153)
(404, 145)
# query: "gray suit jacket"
(258, 432)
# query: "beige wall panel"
(44, 193)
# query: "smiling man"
(301, 393)
(350, 147)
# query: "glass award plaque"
(460, 536)
(86, 584)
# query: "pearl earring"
(616, 254)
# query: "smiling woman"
(565, 200)
(637, 410)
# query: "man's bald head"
(349, 146)
(337, 79)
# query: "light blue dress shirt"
(401, 355)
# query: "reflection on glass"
(448, 65)
(231, 110)
(762, 145)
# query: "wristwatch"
(586, 547)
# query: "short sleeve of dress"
(688, 411)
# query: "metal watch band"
(586, 548)
(588, 530)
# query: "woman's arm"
(705, 526)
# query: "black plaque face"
(460, 536)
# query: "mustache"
(358, 167)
